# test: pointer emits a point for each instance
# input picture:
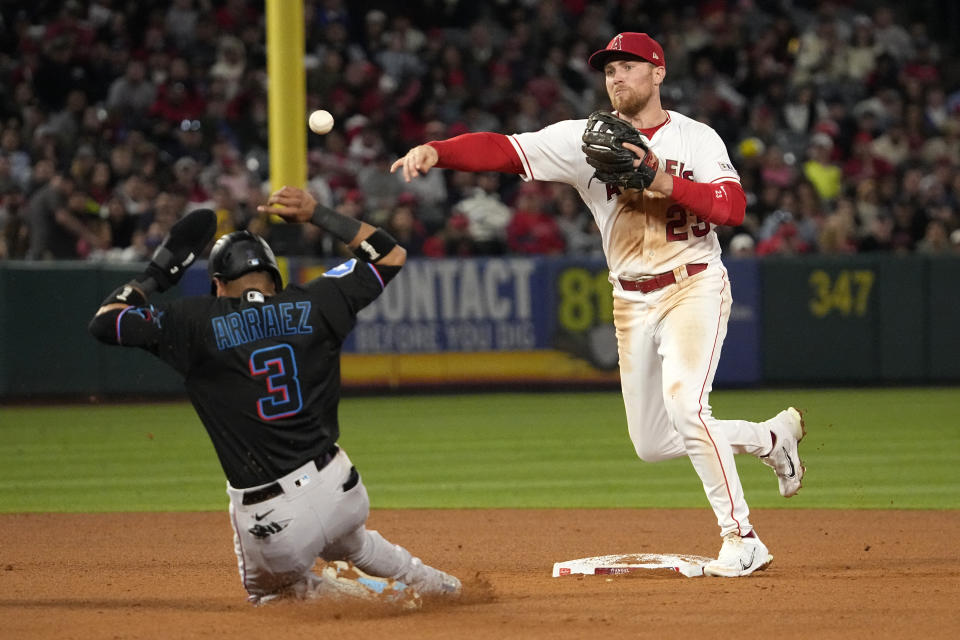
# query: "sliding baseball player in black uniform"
(261, 365)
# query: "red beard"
(628, 102)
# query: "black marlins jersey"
(263, 372)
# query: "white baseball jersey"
(669, 339)
(644, 233)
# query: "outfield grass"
(885, 448)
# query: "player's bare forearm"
(662, 183)
(298, 205)
(372, 244)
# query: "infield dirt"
(835, 574)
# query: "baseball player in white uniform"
(671, 291)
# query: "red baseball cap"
(638, 45)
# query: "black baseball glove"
(613, 163)
(187, 239)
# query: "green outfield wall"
(861, 319)
(44, 345)
(810, 321)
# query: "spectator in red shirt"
(178, 100)
(863, 163)
(452, 240)
(234, 15)
(531, 229)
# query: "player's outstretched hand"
(290, 203)
(418, 160)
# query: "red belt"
(659, 281)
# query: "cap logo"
(617, 43)
(653, 54)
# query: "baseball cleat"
(739, 557)
(450, 585)
(784, 459)
(343, 579)
(260, 600)
(429, 581)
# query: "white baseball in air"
(321, 121)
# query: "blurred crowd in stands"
(843, 119)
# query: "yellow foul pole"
(286, 93)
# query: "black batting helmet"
(241, 252)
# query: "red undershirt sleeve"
(482, 151)
(718, 202)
